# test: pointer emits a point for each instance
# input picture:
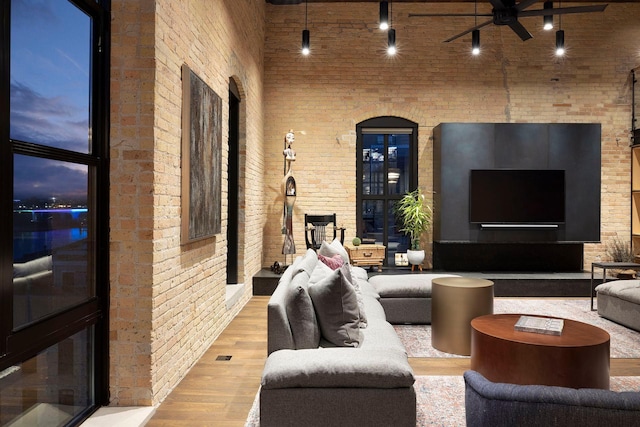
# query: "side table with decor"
(366, 255)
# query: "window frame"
(384, 125)
(17, 345)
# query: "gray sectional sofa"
(489, 404)
(333, 357)
(619, 301)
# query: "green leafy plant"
(414, 215)
(620, 251)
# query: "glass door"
(387, 169)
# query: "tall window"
(53, 210)
(386, 170)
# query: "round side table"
(455, 302)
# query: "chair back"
(318, 230)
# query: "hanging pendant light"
(560, 43)
(384, 15)
(391, 41)
(391, 36)
(560, 37)
(306, 36)
(475, 34)
(475, 42)
(547, 20)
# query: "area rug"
(440, 400)
(625, 342)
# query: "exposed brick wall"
(348, 78)
(167, 299)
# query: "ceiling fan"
(507, 12)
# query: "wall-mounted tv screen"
(517, 196)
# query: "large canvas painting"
(201, 159)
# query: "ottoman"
(619, 301)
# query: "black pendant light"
(384, 15)
(547, 20)
(306, 37)
(560, 37)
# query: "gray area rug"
(625, 342)
(440, 400)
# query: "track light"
(391, 41)
(560, 43)
(384, 15)
(306, 36)
(547, 20)
(475, 42)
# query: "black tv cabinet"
(529, 257)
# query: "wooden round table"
(578, 358)
(454, 302)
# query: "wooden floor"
(220, 392)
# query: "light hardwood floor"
(220, 393)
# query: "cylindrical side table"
(455, 302)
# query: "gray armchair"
(508, 405)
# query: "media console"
(515, 196)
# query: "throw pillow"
(320, 272)
(335, 262)
(356, 287)
(336, 307)
(302, 318)
(334, 248)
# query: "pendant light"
(391, 35)
(306, 37)
(475, 42)
(560, 37)
(547, 20)
(384, 15)
(475, 34)
(560, 43)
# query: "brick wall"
(167, 299)
(348, 78)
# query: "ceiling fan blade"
(520, 30)
(422, 15)
(525, 4)
(563, 10)
(498, 4)
(477, 27)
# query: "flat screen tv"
(517, 196)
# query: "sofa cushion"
(627, 290)
(334, 248)
(337, 367)
(301, 315)
(400, 286)
(336, 307)
(307, 262)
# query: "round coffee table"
(454, 302)
(578, 358)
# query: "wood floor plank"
(220, 393)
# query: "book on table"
(540, 325)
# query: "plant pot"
(415, 257)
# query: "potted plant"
(414, 215)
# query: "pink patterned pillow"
(335, 262)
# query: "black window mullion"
(6, 175)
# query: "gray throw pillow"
(302, 317)
(336, 307)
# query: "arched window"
(387, 167)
